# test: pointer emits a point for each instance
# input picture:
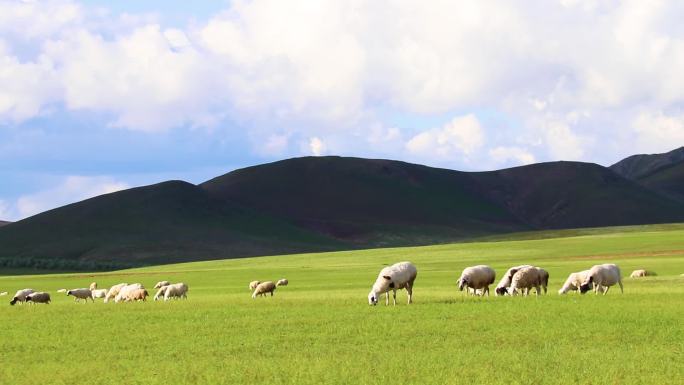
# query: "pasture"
(320, 329)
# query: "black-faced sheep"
(81, 294)
(40, 297)
(524, 280)
(574, 282)
(399, 276)
(261, 289)
(505, 283)
(477, 278)
(20, 296)
(601, 278)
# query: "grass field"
(320, 330)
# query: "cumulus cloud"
(506, 155)
(462, 136)
(658, 132)
(317, 146)
(71, 189)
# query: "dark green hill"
(325, 203)
(641, 166)
(3, 223)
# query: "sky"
(100, 96)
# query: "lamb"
(40, 297)
(641, 273)
(261, 289)
(526, 279)
(399, 276)
(93, 286)
(177, 290)
(136, 295)
(81, 294)
(20, 296)
(601, 278)
(282, 282)
(477, 277)
(573, 282)
(505, 283)
(114, 291)
(253, 285)
(161, 284)
(99, 293)
(123, 293)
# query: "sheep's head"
(501, 291)
(68, 292)
(462, 284)
(587, 285)
(373, 298)
(13, 301)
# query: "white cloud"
(657, 132)
(462, 136)
(505, 155)
(562, 142)
(317, 146)
(70, 189)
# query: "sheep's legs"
(622, 291)
(394, 297)
(387, 298)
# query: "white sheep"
(262, 289)
(81, 294)
(574, 282)
(62, 290)
(477, 278)
(282, 282)
(161, 284)
(40, 297)
(177, 290)
(93, 286)
(20, 296)
(123, 293)
(253, 285)
(99, 293)
(160, 292)
(114, 291)
(601, 278)
(135, 295)
(3, 293)
(505, 283)
(399, 276)
(524, 280)
(641, 273)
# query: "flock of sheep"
(122, 292)
(476, 280)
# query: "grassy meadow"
(320, 329)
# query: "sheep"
(601, 278)
(81, 294)
(641, 273)
(526, 279)
(399, 276)
(261, 289)
(505, 283)
(160, 293)
(38, 298)
(62, 291)
(136, 295)
(253, 285)
(99, 293)
(3, 293)
(123, 293)
(114, 291)
(543, 278)
(20, 296)
(93, 286)
(161, 284)
(282, 282)
(178, 290)
(573, 282)
(477, 277)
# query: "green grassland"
(320, 330)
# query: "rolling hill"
(661, 172)
(326, 203)
(3, 223)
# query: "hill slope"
(661, 172)
(329, 203)
(3, 223)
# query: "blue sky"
(98, 96)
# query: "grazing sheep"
(505, 283)
(524, 280)
(543, 279)
(574, 282)
(93, 286)
(81, 294)
(177, 290)
(136, 295)
(601, 278)
(38, 298)
(477, 278)
(399, 276)
(99, 293)
(114, 291)
(3, 293)
(160, 293)
(282, 282)
(161, 284)
(20, 296)
(261, 289)
(641, 273)
(123, 293)
(61, 291)
(253, 285)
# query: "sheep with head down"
(262, 289)
(477, 278)
(38, 297)
(505, 283)
(161, 284)
(253, 285)
(641, 273)
(176, 290)
(574, 282)
(282, 282)
(114, 291)
(123, 293)
(524, 280)
(399, 276)
(601, 278)
(20, 296)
